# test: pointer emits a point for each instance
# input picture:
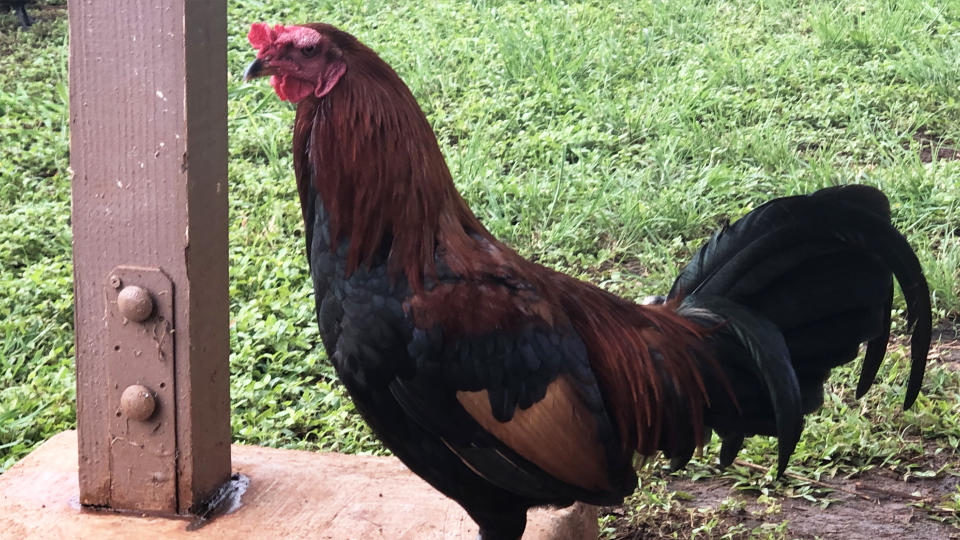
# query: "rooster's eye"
(309, 50)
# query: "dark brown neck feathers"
(373, 158)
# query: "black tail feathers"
(794, 288)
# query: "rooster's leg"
(22, 15)
(503, 525)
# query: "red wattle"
(290, 89)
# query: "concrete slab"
(292, 494)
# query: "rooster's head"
(300, 60)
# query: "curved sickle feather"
(771, 362)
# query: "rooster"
(507, 385)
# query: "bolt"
(137, 402)
(115, 282)
(135, 303)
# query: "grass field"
(605, 139)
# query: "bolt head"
(135, 303)
(137, 402)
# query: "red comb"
(262, 36)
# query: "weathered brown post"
(149, 151)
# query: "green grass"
(605, 139)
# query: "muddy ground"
(877, 505)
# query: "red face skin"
(300, 61)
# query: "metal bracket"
(140, 382)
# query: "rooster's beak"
(257, 68)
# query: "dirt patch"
(947, 331)
(945, 345)
(929, 146)
(948, 353)
(878, 504)
(628, 264)
(932, 146)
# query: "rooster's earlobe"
(331, 75)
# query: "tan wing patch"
(557, 434)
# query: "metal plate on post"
(140, 382)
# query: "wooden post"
(148, 150)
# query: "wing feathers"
(558, 434)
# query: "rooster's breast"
(361, 318)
